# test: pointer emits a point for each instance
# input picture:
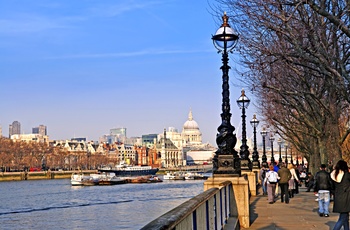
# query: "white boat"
(107, 178)
(126, 170)
(174, 176)
(81, 179)
(195, 176)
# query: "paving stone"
(300, 213)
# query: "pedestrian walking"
(310, 181)
(291, 182)
(276, 168)
(341, 177)
(262, 175)
(284, 175)
(271, 181)
(323, 185)
(296, 180)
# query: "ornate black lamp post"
(264, 158)
(255, 122)
(226, 160)
(243, 103)
(297, 163)
(272, 138)
(302, 160)
(279, 141)
(286, 149)
(291, 155)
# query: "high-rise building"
(118, 131)
(0, 131)
(40, 130)
(14, 128)
(118, 134)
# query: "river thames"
(55, 204)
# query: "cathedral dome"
(190, 123)
(190, 131)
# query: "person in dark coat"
(310, 180)
(341, 177)
(323, 186)
(284, 175)
(297, 180)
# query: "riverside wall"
(40, 175)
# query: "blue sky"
(84, 67)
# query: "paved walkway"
(300, 213)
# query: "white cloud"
(121, 8)
(130, 54)
(24, 24)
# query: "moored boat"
(154, 179)
(107, 179)
(195, 176)
(125, 170)
(81, 179)
(174, 176)
(145, 179)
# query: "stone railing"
(215, 208)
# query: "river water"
(55, 204)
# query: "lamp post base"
(246, 165)
(256, 164)
(226, 165)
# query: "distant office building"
(40, 130)
(14, 128)
(118, 131)
(0, 131)
(133, 141)
(149, 140)
(117, 135)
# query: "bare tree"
(295, 59)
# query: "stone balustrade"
(215, 208)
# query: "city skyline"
(83, 69)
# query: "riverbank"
(49, 175)
(41, 175)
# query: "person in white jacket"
(271, 179)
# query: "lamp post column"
(226, 159)
(297, 163)
(286, 149)
(280, 153)
(272, 138)
(302, 161)
(264, 158)
(243, 103)
(254, 122)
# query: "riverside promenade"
(300, 213)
